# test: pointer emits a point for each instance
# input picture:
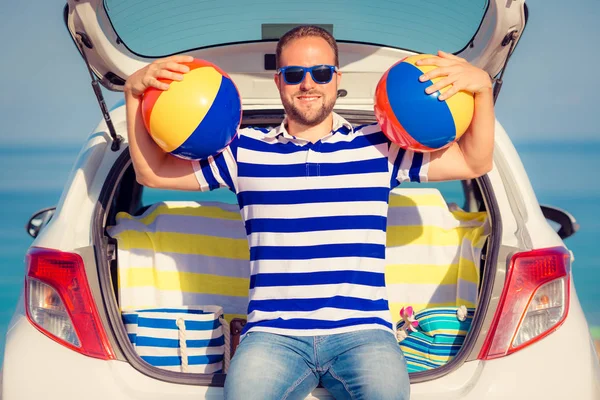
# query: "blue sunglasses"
(321, 74)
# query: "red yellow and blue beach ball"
(414, 119)
(196, 117)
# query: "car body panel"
(113, 62)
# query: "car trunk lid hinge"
(83, 40)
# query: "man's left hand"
(457, 73)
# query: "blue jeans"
(365, 364)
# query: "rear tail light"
(534, 302)
(59, 302)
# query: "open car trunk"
(121, 194)
(119, 37)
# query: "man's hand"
(472, 155)
(165, 68)
(457, 73)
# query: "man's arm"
(471, 156)
(154, 167)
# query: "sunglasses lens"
(322, 74)
(294, 75)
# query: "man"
(313, 194)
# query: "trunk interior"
(149, 278)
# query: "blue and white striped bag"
(192, 339)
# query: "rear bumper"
(563, 365)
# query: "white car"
(529, 338)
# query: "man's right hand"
(166, 68)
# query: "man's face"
(308, 103)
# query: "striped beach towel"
(437, 339)
(183, 254)
(433, 252)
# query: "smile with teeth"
(308, 98)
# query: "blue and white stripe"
(315, 216)
(157, 338)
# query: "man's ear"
(276, 78)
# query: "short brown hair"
(306, 31)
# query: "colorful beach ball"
(414, 119)
(196, 117)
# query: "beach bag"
(432, 337)
(188, 339)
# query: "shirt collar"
(339, 125)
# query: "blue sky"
(549, 92)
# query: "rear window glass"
(155, 28)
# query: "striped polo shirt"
(315, 215)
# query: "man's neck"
(310, 133)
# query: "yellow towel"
(190, 253)
(433, 251)
(181, 254)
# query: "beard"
(312, 116)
